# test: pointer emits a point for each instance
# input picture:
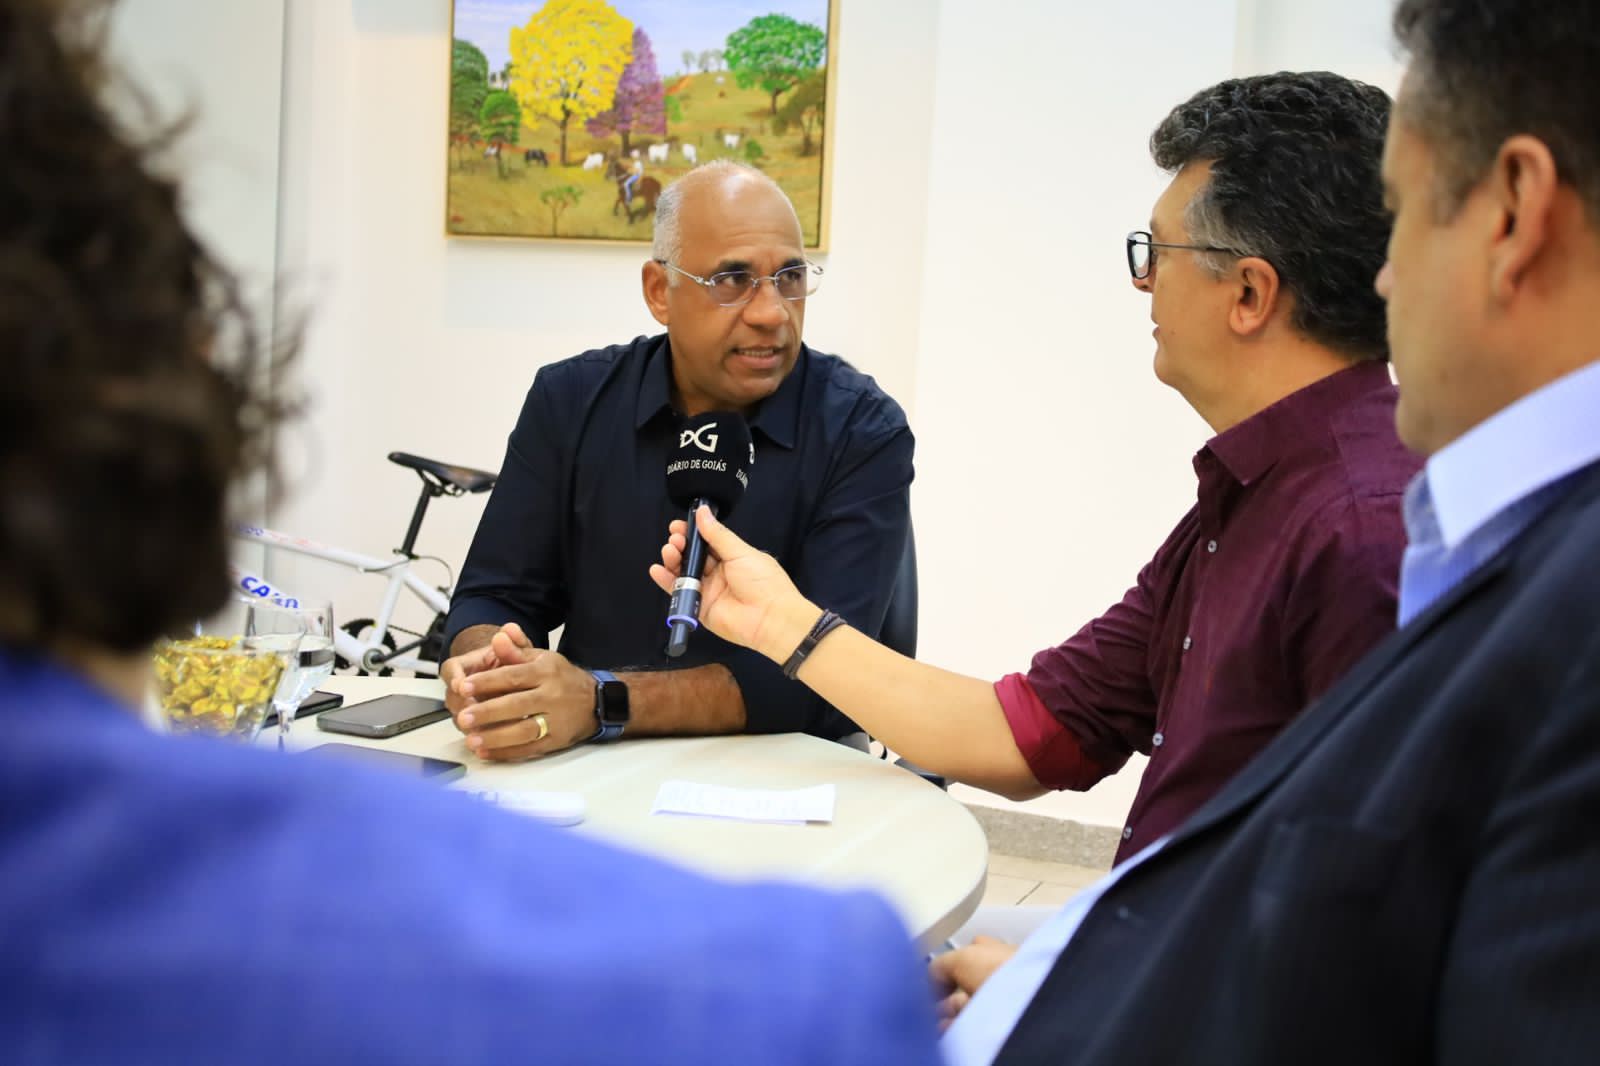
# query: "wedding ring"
(544, 726)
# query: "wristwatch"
(610, 706)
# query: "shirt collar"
(777, 417)
(1249, 449)
(1540, 439)
(1416, 509)
(655, 387)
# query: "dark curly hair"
(1295, 180)
(1486, 70)
(136, 385)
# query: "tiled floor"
(1014, 880)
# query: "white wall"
(989, 158)
(221, 66)
(1350, 37)
(218, 69)
(1052, 463)
(427, 344)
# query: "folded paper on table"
(793, 806)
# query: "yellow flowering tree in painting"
(566, 62)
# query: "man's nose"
(766, 307)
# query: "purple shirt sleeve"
(1053, 754)
(1095, 688)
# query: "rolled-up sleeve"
(1086, 705)
(847, 561)
(1053, 754)
(513, 571)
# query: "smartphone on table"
(396, 761)
(386, 716)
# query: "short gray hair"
(667, 240)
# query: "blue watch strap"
(604, 730)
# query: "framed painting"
(568, 117)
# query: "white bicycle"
(368, 645)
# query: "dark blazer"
(1409, 874)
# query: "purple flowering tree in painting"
(638, 106)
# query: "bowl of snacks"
(212, 685)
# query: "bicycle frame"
(371, 654)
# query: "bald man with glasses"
(577, 512)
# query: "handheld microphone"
(710, 466)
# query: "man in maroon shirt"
(1258, 262)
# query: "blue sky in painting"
(673, 25)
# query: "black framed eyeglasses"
(732, 288)
(1142, 256)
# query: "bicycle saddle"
(461, 478)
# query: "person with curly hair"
(182, 900)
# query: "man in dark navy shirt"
(190, 900)
(576, 516)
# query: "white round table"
(891, 832)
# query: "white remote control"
(552, 808)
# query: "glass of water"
(303, 636)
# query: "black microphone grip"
(683, 616)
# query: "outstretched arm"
(944, 721)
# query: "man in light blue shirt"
(1481, 491)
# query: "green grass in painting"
(481, 202)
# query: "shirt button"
(1187, 642)
(1211, 546)
(1158, 740)
(1127, 832)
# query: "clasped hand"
(505, 694)
(957, 975)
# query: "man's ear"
(1522, 186)
(1257, 293)
(654, 280)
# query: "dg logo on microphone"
(705, 444)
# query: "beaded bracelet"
(825, 625)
